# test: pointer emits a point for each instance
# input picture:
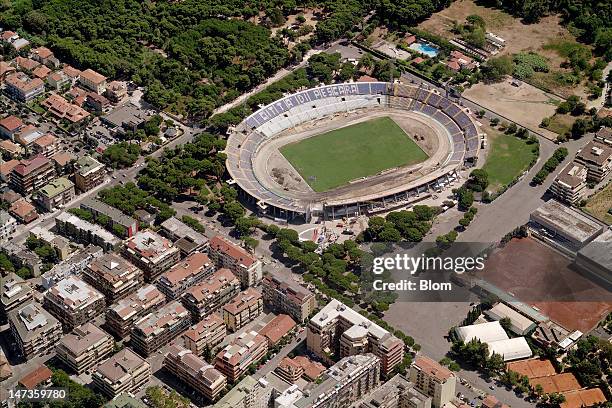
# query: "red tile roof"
(36, 377)
(433, 368)
(278, 328)
(25, 167)
(221, 244)
(11, 123)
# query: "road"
(271, 364)
(600, 101)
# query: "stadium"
(349, 149)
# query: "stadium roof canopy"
(485, 332)
(511, 349)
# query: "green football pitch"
(334, 158)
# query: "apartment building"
(211, 294)
(121, 316)
(14, 293)
(235, 358)
(60, 244)
(152, 253)
(88, 173)
(244, 308)
(286, 296)
(570, 184)
(113, 276)
(73, 302)
(9, 126)
(125, 372)
(245, 266)
(205, 334)
(93, 80)
(184, 237)
(31, 174)
(85, 232)
(398, 392)
(57, 193)
(345, 383)
(35, 331)
(159, 328)
(195, 372)
(22, 88)
(23, 211)
(340, 330)
(74, 265)
(84, 348)
(46, 145)
(114, 216)
(596, 156)
(191, 270)
(278, 329)
(8, 225)
(434, 380)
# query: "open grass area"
(561, 124)
(508, 157)
(334, 158)
(600, 203)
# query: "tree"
(497, 68)
(233, 211)
(478, 180)
(250, 242)
(505, 323)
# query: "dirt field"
(525, 104)
(541, 277)
(600, 203)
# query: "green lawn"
(508, 158)
(334, 158)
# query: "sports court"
(364, 149)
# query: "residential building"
(11, 149)
(121, 317)
(287, 296)
(160, 327)
(85, 232)
(22, 88)
(570, 184)
(434, 380)
(292, 369)
(14, 292)
(96, 102)
(184, 237)
(62, 109)
(604, 135)
(94, 81)
(62, 162)
(195, 372)
(85, 347)
(343, 384)
(26, 64)
(27, 136)
(251, 393)
(8, 225)
(40, 377)
(74, 265)
(5, 70)
(113, 276)
(117, 219)
(174, 282)
(31, 174)
(9, 126)
(597, 158)
(58, 80)
(235, 358)
(340, 330)
(88, 173)
(22, 257)
(208, 333)
(6, 168)
(23, 211)
(151, 253)
(244, 308)
(278, 329)
(73, 302)
(46, 145)
(125, 372)
(72, 73)
(229, 255)
(35, 331)
(398, 392)
(211, 294)
(59, 244)
(45, 56)
(56, 194)
(41, 72)
(116, 91)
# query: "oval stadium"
(349, 149)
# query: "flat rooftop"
(571, 222)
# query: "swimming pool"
(426, 49)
